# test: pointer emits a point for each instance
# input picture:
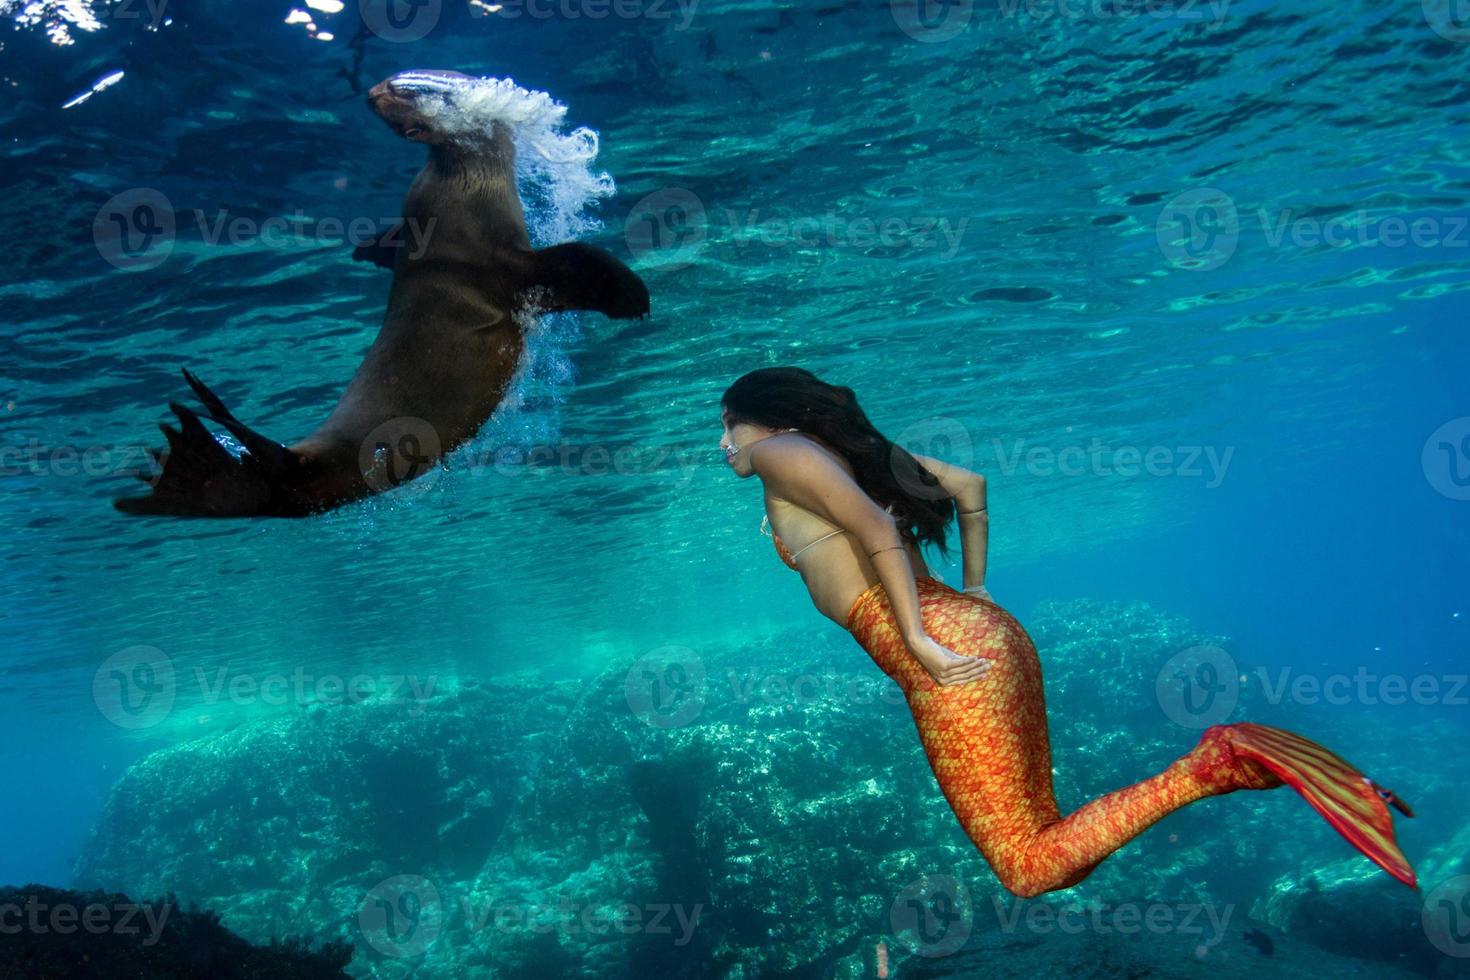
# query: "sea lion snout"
(400, 112)
(401, 101)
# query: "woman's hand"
(946, 666)
(979, 591)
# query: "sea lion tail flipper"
(276, 458)
(578, 276)
(201, 477)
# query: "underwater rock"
(1137, 951)
(1350, 908)
(775, 816)
(56, 934)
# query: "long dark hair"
(786, 397)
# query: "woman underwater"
(858, 507)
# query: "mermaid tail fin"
(1346, 798)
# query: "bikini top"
(785, 553)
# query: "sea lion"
(450, 342)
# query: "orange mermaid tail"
(988, 745)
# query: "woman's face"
(736, 442)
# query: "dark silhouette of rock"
(57, 934)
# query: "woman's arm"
(968, 491)
(795, 470)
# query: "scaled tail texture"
(989, 746)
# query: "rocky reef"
(761, 810)
(1387, 925)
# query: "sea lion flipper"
(273, 456)
(578, 276)
(384, 250)
(210, 399)
(199, 477)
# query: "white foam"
(553, 167)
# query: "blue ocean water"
(1187, 282)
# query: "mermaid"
(861, 506)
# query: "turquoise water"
(986, 235)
